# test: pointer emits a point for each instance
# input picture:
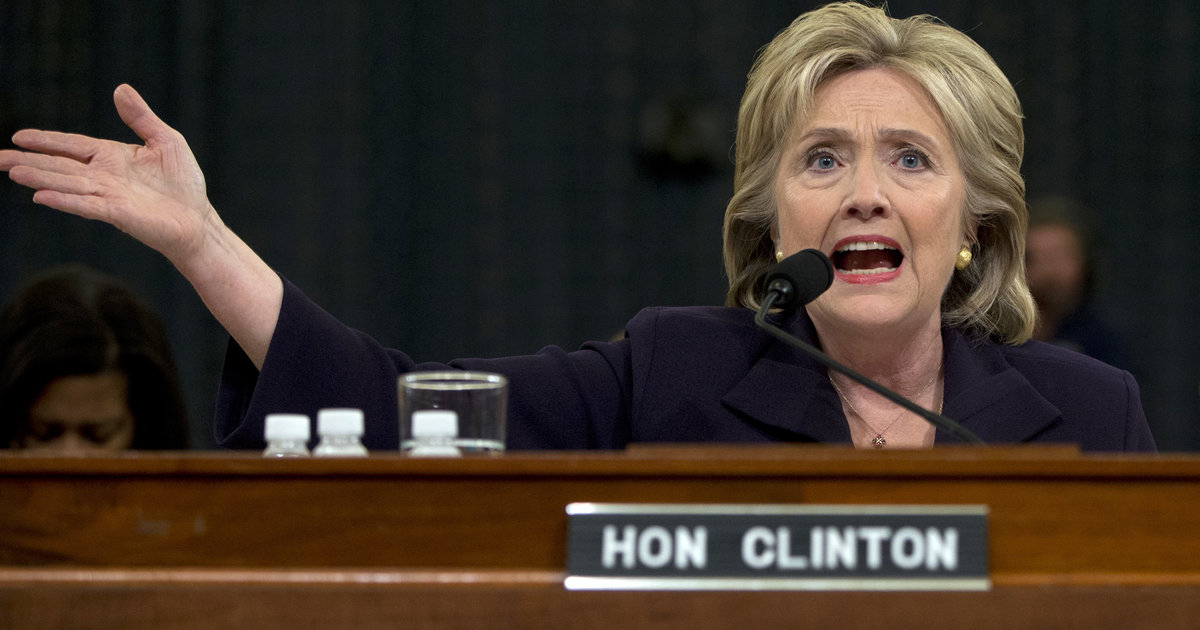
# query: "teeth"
(867, 272)
(862, 246)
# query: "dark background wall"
(472, 178)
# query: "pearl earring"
(964, 258)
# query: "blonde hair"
(980, 108)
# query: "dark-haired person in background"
(893, 146)
(84, 364)
(1060, 262)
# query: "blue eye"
(822, 162)
(912, 160)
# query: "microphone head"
(800, 278)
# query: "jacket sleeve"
(1137, 430)
(557, 399)
(313, 362)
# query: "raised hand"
(154, 192)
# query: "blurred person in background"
(85, 365)
(1061, 264)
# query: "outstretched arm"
(154, 192)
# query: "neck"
(902, 361)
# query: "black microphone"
(800, 279)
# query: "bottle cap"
(434, 423)
(287, 426)
(340, 422)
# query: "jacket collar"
(788, 394)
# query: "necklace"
(878, 441)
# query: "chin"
(871, 313)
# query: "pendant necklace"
(878, 441)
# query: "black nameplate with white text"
(776, 547)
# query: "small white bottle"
(287, 435)
(341, 433)
(434, 431)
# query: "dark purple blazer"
(691, 374)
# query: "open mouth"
(864, 258)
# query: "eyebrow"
(825, 133)
(73, 424)
(911, 135)
(837, 134)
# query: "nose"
(866, 197)
(73, 441)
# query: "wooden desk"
(191, 540)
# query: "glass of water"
(472, 409)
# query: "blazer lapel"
(985, 394)
(788, 394)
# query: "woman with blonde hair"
(892, 146)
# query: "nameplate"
(613, 546)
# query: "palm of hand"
(155, 192)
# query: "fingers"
(86, 206)
(138, 116)
(56, 164)
(74, 146)
(10, 158)
(75, 194)
(39, 179)
(133, 111)
(69, 193)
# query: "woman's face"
(872, 180)
(82, 412)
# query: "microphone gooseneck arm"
(942, 422)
